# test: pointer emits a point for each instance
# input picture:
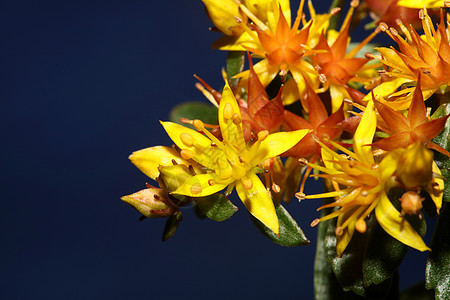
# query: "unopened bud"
(148, 202)
(411, 203)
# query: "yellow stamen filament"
(355, 50)
(257, 21)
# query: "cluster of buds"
(360, 121)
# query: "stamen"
(236, 119)
(339, 231)
(300, 196)
(323, 78)
(149, 186)
(156, 197)
(335, 11)
(262, 135)
(303, 162)
(383, 26)
(247, 183)
(196, 188)
(315, 222)
(211, 182)
(174, 162)
(198, 125)
(361, 226)
(276, 188)
(191, 170)
(187, 139)
(187, 154)
(228, 111)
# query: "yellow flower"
(421, 3)
(231, 162)
(428, 54)
(367, 186)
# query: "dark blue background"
(84, 84)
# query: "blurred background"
(84, 84)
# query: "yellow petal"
(419, 4)
(437, 194)
(202, 150)
(258, 202)
(386, 88)
(389, 218)
(364, 134)
(230, 119)
(200, 186)
(276, 144)
(149, 159)
(234, 43)
(337, 93)
(264, 71)
(290, 92)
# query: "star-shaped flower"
(231, 162)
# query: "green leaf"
(326, 286)
(216, 207)
(235, 65)
(437, 272)
(442, 161)
(417, 292)
(291, 235)
(194, 110)
(171, 225)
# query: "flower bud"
(149, 202)
(411, 203)
(173, 176)
(415, 166)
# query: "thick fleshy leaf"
(235, 65)
(216, 207)
(389, 218)
(171, 226)
(417, 292)
(442, 161)
(149, 159)
(194, 110)
(437, 273)
(200, 186)
(258, 202)
(364, 134)
(277, 143)
(290, 235)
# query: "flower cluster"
(367, 123)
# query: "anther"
(427, 72)
(156, 197)
(198, 125)
(247, 183)
(228, 111)
(187, 139)
(323, 78)
(211, 182)
(149, 186)
(315, 222)
(237, 119)
(213, 144)
(370, 55)
(185, 120)
(276, 188)
(187, 154)
(364, 193)
(383, 26)
(393, 31)
(446, 3)
(348, 101)
(238, 20)
(174, 162)
(196, 188)
(421, 14)
(374, 166)
(300, 196)
(303, 162)
(339, 231)
(335, 11)
(361, 226)
(240, 159)
(317, 68)
(354, 3)
(262, 135)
